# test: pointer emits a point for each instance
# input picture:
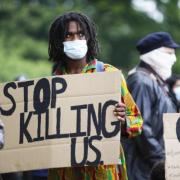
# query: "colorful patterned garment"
(133, 128)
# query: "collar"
(146, 67)
(89, 66)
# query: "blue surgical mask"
(76, 49)
(177, 92)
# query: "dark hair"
(172, 80)
(58, 32)
(158, 171)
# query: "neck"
(75, 66)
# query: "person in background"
(25, 175)
(147, 84)
(14, 175)
(40, 174)
(1, 135)
(174, 89)
(73, 48)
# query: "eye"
(81, 35)
(68, 35)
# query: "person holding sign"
(147, 83)
(73, 47)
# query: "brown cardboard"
(51, 128)
(172, 145)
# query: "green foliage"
(25, 25)
(16, 67)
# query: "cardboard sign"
(172, 145)
(60, 121)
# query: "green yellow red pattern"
(133, 128)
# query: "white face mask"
(75, 49)
(177, 92)
(160, 61)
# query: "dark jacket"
(149, 93)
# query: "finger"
(121, 119)
(120, 104)
(117, 113)
(120, 109)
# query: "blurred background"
(24, 26)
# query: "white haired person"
(147, 84)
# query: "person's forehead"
(74, 26)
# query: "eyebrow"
(72, 33)
(79, 31)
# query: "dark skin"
(76, 66)
(75, 33)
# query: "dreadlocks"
(59, 29)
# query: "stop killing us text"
(45, 93)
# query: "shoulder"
(141, 77)
(142, 83)
(109, 67)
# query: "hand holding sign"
(120, 112)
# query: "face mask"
(160, 61)
(75, 49)
(177, 92)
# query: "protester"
(73, 47)
(147, 84)
(25, 175)
(174, 89)
(12, 175)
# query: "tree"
(25, 25)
